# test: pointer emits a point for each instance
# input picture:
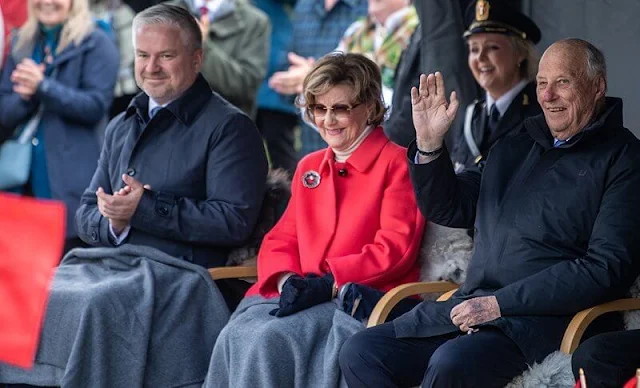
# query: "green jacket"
(236, 54)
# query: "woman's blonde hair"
(358, 72)
(78, 25)
(529, 66)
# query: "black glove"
(301, 293)
(359, 301)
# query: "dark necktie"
(494, 117)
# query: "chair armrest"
(447, 295)
(581, 321)
(233, 272)
(394, 296)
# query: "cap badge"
(482, 10)
(311, 179)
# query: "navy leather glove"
(359, 301)
(301, 293)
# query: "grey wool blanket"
(130, 316)
(256, 349)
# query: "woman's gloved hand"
(359, 301)
(301, 293)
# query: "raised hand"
(432, 115)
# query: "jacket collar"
(185, 108)
(609, 119)
(364, 156)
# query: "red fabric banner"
(31, 244)
(633, 383)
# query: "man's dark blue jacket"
(206, 165)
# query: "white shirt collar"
(503, 102)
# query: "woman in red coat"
(352, 230)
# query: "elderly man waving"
(553, 210)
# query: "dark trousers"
(609, 359)
(376, 358)
(277, 129)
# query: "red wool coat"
(362, 224)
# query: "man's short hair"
(596, 65)
(172, 15)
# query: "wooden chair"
(238, 272)
(572, 335)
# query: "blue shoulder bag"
(15, 155)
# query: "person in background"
(318, 26)
(382, 36)
(503, 60)
(117, 17)
(277, 116)
(352, 225)
(140, 5)
(435, 45)
(65, 67)
(236, 48)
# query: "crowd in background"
(258, 52)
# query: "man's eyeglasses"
(340, 111)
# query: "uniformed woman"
(504, 62)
